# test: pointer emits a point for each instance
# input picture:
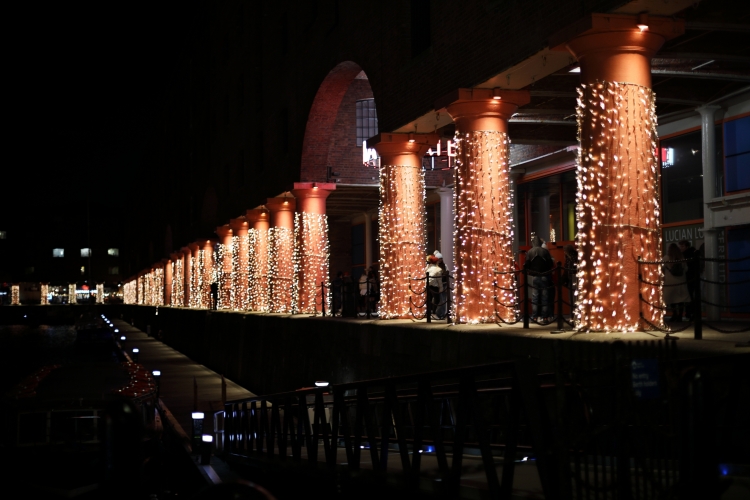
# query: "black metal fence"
(620, 421)
(541, 298)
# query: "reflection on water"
(28, 348)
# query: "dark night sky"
(87, 82)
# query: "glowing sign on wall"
(370, 157)
(667, 157)
(450, 152)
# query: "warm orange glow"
(618, 207)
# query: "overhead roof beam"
(700, 56)
(705, 26)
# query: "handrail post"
(558, 273)
(427, 299)
(448, 300)
(323, 298)
(367, 299)
(525, 273)
(640, 293)
(697, 301)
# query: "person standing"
(435, 282)
(442, 308)
(689, 253)
(675, 289)
(538, 264)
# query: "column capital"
(282, 211)
(402, 149)
(206, 244)
(176, 255)
(259, 217)
(708, 110)
(164, 262)
(311, 196)
(239, 226)
(617, 47)
(225, 233)
(281, 204)
(194, 247)
(483, 109)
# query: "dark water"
(26, 348)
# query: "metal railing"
(694, 282)
(618, 420)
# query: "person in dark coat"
(689, 252)
(539, 262)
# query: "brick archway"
(320, 145)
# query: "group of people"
(680, 280)
(539, 263)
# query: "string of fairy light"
(99, 293)
(178, 291)
(129, 292)
(72, 293)
(311, 255)
(617, 205)
(281, 269)
(402, 242)
(223, 276)
(44, 291)
(257, 270)
(484, 227)
(15, 295)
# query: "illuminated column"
(44, 291)
(177, 297)
(71, 293)
(447, 219)
(15, 295)
(257, 264)
(618, 175)
(196, 275)
(484, 206)
(224, 267)
(710, 231)
(281, 253)
(401, 219)
(168, 280)
(311, 249)
(100, 293)
(240, 248)
(209, 274)
(187, 277)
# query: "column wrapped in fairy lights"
(484, 205)
(99, 293)
(618, 175)
(148, 279)
(129, 292)
(401, 221)
(257, 258)
(196, 275)
(208, 275)
(177, 297)
(311, 249)
(158, 284)
(281, 253)
(168, 278)
(240, 243)
(15, 295)
(72, 293)
(224, 266)
(187, 277)
(44, 291)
